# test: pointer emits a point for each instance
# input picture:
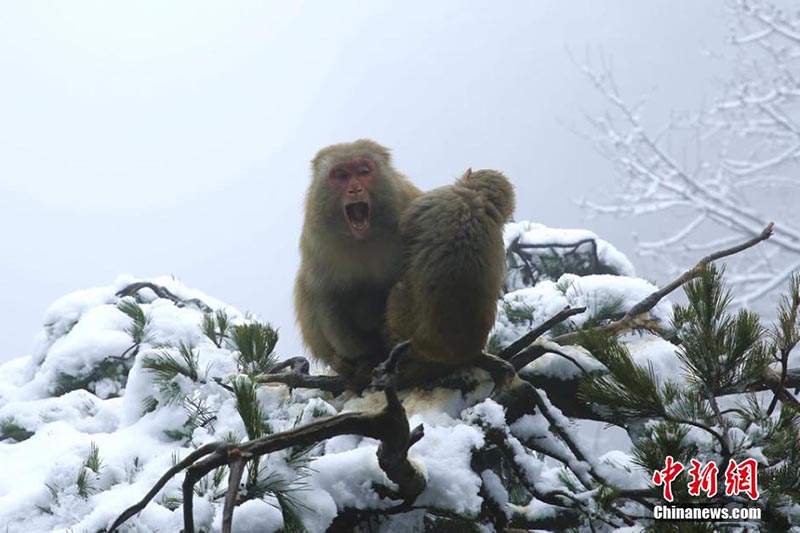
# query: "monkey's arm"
(305, 303)
(342, 330)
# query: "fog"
(174, 138)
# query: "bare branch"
(632, 317)
(237, 462)
(182, 465)
(162, 292)
(333, 384)
(512, 349)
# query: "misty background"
(175, 138)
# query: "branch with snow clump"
(389, 425)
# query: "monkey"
(454, 267)
(350, 256)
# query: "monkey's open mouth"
(358, 217)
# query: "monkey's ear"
(467, 174)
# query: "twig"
(535, 351)
(182, 465)
(557, 498)
(780, 383)
(648, 303)
(161, 292)
(514, 348)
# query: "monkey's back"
(455, 265)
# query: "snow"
(489, 413)
(536, 509)
(445, 458)
(497, 492)
(650, 349)
(142, 426)
(254, 516)
(348, 477)
(597, 293)
(619, 468)
(556, 366)
(85, 327)
(532, 233)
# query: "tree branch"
(161, 292)
(626, 322)
(514, 348)
(333, 384)
(389, 425)
(182, 465)
(237, 463)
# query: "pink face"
(352, 181)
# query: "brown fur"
(454, 261)
(343, 282)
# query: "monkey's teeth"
(358, 215)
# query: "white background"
(174, 137)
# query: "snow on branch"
(262, 442)
(389, 425)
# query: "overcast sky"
(174, 138)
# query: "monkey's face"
(351, 181)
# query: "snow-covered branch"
(739, 167)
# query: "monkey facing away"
(454, 266)
(351, 256)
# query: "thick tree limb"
(333, 384)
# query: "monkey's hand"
(501, 371)
(355, 373)
(385, 374)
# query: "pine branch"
(389, 425)
(563, 393)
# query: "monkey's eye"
(339, 174)
(364, 170)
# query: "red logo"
(742, 477)
(667, 476)
(704, 479)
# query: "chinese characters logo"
(740, 477)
